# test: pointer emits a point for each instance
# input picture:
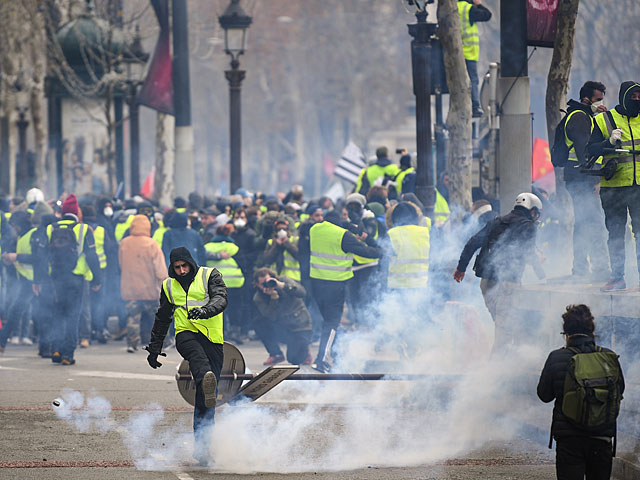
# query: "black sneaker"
(56, 357)
(68, 361)
(209, 387)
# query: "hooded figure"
(179, 235)
(195, 298)
(615, 130)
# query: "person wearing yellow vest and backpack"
(332, 249)
(619, 128)
(194, 297)
(471, 12)
(381, 172)
(17, 320)
(72, 258)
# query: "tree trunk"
(460, 151)
(558, 78)
(37, 100)
(164, 189)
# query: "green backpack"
(592, 389)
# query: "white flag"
(351, 162)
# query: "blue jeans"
(67, 306)
(472, 70)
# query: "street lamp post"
(420, 65)
(235, 23)
(22, 123)
(135, 61)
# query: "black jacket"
(164, 315)
(506, 245)
(179, 235)
(578, 130)
(551, 387)
(289, 309)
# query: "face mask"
(595, 105)
(632, 107)
(239, 222)
(108, 211)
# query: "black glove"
(196, 313)
(152, 358)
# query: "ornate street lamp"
(420, 65)
(235, 23)
(135, 59)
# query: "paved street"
(146, 431)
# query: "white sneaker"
(15, 340)
(26, 341)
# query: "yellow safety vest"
(122, 227)
(197, 296)
(80, 231)
(291, 267)
(363, 262)
(23, 247)
(328, 261)
(469, 32)
(628, 171)
(400, 178)
(409, 264)
(304, 216)
(572, 151)
(98, 233)
(228, 268)
(158, 235)
(374, 172)
(440, 209)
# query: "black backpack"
(559, 149)
(64, 250)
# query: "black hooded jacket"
(179, 235)
(598, 142)
(164, 315)
(551, 387)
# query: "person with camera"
(619, 129)
(280, 301)
(281, 251)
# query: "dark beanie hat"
(404, 214)
(70, 205)
(405, 160)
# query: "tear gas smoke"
(465, 400)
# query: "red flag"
(157, 90)
(327, 164)
(542, 173)
(147, 189)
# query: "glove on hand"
(615, 136)
(196, 313)
(152, 358)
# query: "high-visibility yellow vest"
(291, 267)
(228, 268)
(469, 32)
(628, 171)
(304, 216)
(122, 227)
(400, 178)
(198, 296)
(23, 247)
(374, 172)
(440, 209)
(572, 151)
(409, 264)
(363, 262)
(80, 231)
(181, 210)
(98, 233)
(158, 235)
(328, 261)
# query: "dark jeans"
(580, 456)
(359, 286)
(203, 356)
(84, 326)
(41, 313)
(472, 70)
(67, 306)
(588, 231)
(616, 202)
(272, 333)
(233, 314)
(330, 299)
(16, 321)
(98, 312)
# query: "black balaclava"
(181, 253)
(631, 107)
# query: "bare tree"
(460, 154)
(164, 189)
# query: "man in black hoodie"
(588, 238)
(577, 450)
(620, 128)
(195, 298)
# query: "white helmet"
(34, 195)
(528, 201)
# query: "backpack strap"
(609, 121)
